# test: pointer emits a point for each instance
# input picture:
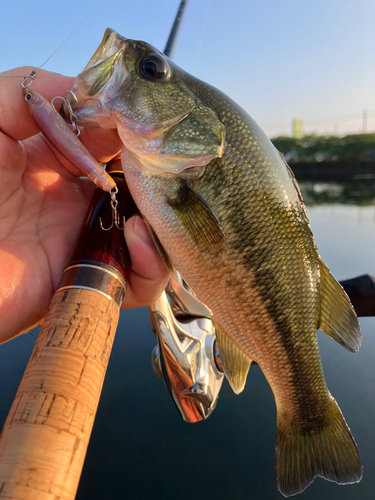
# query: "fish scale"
(227, 214)
(242, 298)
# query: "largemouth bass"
(226, 212)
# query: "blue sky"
(277, 59)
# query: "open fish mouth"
(111, 43)
(102, 79)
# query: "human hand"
(43, 202)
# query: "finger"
(12, 165)
(103, 144)
(15, 119)
(17, 123)
(148, 276)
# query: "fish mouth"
(110, 44)
(103, 78)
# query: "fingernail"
(140, 229)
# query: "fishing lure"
(62, 137)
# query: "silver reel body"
(186, 355)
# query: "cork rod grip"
(46, 434)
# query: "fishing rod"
(46, 434)
(175, 30)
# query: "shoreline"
(332, 170)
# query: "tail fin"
(328, 451)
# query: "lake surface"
(142, 450)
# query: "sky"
(278, 59)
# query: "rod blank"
(172, 39)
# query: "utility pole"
(364, 121)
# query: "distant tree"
(313, 147)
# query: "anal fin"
(235, 362)
(337, 316)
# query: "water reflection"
(360, 192)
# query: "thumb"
(148, 276)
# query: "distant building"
(297, 126)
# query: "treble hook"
(115, 215)
(67, 102)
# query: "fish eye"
(153, 67)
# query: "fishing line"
(63, 43)
(203, 34)
(75, 29)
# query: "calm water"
(141, 449)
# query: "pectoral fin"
(235, 362)
(198, 220)
(337, 316)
